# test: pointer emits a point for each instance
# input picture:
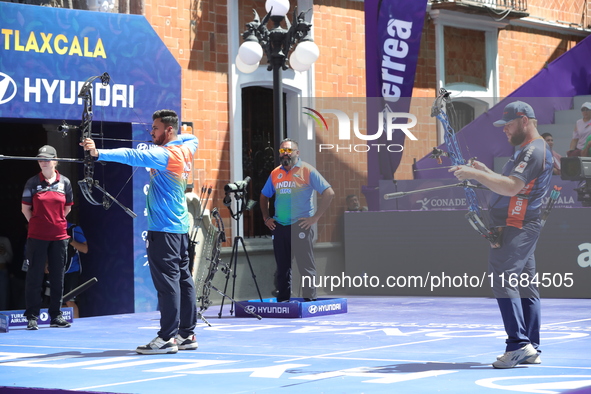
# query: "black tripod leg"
(254, 277)
(235, 257)
(229, 270)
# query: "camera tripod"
(240, 198)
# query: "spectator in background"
(581, 133)
(5, 259)
(587, 149)
(293, 183)
(555, 156)
(76, 246)
(353, 204)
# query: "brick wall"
(524, 52)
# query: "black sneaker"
(59, 322)
(32, 324)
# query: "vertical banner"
(393, 31)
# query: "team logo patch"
(280, 176)
(302, 235)
(521, 167)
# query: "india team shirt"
(293, 191)
(170, 166)
(532, 163)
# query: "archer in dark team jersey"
(515, 212)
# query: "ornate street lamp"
(276, 43)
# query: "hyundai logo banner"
(296, 308)
(48, 53)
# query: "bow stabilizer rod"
(60, 159)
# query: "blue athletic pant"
(519, 302)
(168, 257)
(289, 242)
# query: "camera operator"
(294, 183)
(578, 169)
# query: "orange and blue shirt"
(532, 163)
(293, 191)
(170, 166)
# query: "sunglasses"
(286, 150)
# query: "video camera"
(578, 169)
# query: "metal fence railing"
(513, 5)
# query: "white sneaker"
(158, 346)
(511, 359)
(189, 343)
(535, 359)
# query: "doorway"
(258, 156)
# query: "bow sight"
(239, 189)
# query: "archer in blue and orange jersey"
(167, 240)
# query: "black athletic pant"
(38, 253)
(290, 241)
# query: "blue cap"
(515, 110)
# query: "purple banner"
(393, 31)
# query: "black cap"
(47, 151)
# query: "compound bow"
(88, 183)
(204, 283)
(454, 153)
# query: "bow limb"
(205, 285)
